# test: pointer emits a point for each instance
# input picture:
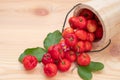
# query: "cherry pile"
(73, 47)
(77, 40)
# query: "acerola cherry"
(80, 46)
(64, 65)
(78, 22)
(90, 37)
(67, 30)
(88, 45)
(87, 14)
(70, 55)
(56, 52)
(47, 59)
(72, 22)
(83, 59)
(81, 34)
(99, 33)
(50, 69)
(70, 40)
(81, 22)
(91, 25)
(30, 62)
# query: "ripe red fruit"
(99, 33)
(90, 37)
(78, 22)
(80, 47)
(97, 20)
(64, 65)
(87, 14)
(91, 25)
(47, 59)
(70, 40)
(83, 59)
(81, 34)
(30, 62)
(67, 30)
(71, 56)
(81, 22)
(50, 69)
(56, 52)
(88, 46)
(72, 22)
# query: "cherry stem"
(80, 20)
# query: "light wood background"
(25, 24)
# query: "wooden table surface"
(25, 24)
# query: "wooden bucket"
(108, 12)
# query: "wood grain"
(25, 24)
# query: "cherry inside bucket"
(93, 23)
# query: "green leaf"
(95, 66)
(84, 73)
(21, 57)
(52, 38)
(38, 52)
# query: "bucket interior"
(80, 10)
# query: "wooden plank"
(25, 23)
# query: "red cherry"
(71, 56)
(81, 22)
(70, 40)
(67, 30)
(88, 45)
(72, 22)
(91, 25)
(64, 65)
(56, 52)
(78, 22)
(50, 69)
(99, 33)
(83, 59)
(81, 34)
(80, 47)
(87, 14)
(90, 37)
(30, 62)
(47, 59)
